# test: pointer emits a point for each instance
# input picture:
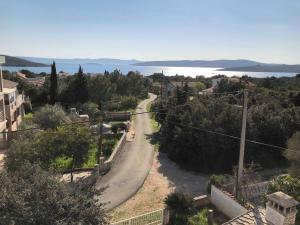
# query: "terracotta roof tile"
(256, 216)
(9, 84)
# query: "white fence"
(226, 204)
(152, 218)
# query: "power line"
(235, 137)
(175, 123)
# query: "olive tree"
(50, 117)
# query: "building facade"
(14, 108)
(2, 109)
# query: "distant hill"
(203, 63)
(266, 68)
(18, 62)
(82, 60)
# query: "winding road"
(133, 164)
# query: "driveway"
(133, 164)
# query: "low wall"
(255, 190)
(201, 200)
(226, 204)
(105, 166)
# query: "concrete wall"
(105, 167)
(225, 204)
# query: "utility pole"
(100, 153)
(242, 146)
(100, 117)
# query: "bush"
(108, 146)
(116, 126)
(181, 206)
(200, 218)
(289, 185)
(216, 180)
(123, 103)
(50, 117)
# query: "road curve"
(133, 164)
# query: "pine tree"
(81, 88)
(53, 84)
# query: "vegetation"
(183, 211)
(180, 206)
(32, 196)
(289, 185)
(72, 141)
(53, 84)
(80, 88)
(188, 125)
(201, 218)
(216, 180)
(294, 155)
(50, 117)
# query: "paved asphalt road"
(132, 166)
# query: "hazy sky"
(264, 30)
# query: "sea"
(93, 68)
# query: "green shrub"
(216, 180)
(181, 206)
(200, 218)
(289, 185)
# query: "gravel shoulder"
(164, 177)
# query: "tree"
(50, 117)
(294, 157)
(81, 88)
(53, 84)
(75, 142)
(181, 207)
(71, 141)
(32, 196)
(200, 86)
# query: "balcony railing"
(2, 118)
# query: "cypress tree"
(53, 84)
(81, 88)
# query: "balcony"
(2, 121)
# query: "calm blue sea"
(146, 70)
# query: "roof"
(9, 84)
(256, 216)
(283, 199)
(21, 75)
(8, 90)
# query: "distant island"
(242, 65)
(17, 62)
(266, 68)
(202, 63)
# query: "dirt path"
(164, 177)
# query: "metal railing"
(152, 218)
(2, 118)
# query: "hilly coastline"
(18, 62)
(266, 68)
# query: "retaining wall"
(226, 204)
(106, 165)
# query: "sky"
(262, 30)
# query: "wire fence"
(152, 218)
